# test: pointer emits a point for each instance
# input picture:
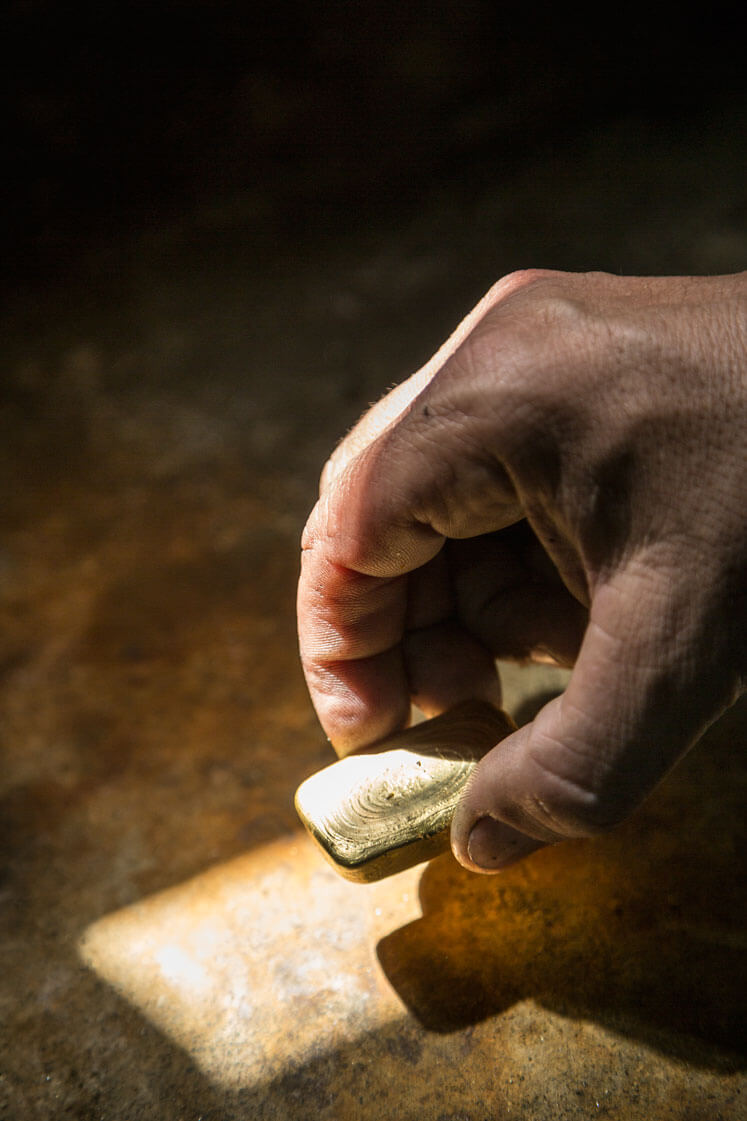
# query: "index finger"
(352, 605)
(391, 494)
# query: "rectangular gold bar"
(385, 809)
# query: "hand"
(566, 479)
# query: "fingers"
(350, 627)
(510, 597)
(444, 662)
(446, 665)
(636, 701)
(352, 602)
(387, 515)
(419, 468)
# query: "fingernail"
(494, 845)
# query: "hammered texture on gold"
(378, 812)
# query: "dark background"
(118, 116)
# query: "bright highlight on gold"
(383, 810)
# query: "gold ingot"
(384, 809)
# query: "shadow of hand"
(641, 931)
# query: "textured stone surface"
(171, 946)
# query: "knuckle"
(537, 348)
(573, 800)
(336, 704)
(573, 813)
(516, 281)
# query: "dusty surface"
(172, 948)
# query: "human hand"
(566, 479)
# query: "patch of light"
(260, 963)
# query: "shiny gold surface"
(379, 812)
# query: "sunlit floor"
(171, 945)
(606, 975)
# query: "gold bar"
(385, 809)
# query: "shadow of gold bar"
(380, 811)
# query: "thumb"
(637, 700)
